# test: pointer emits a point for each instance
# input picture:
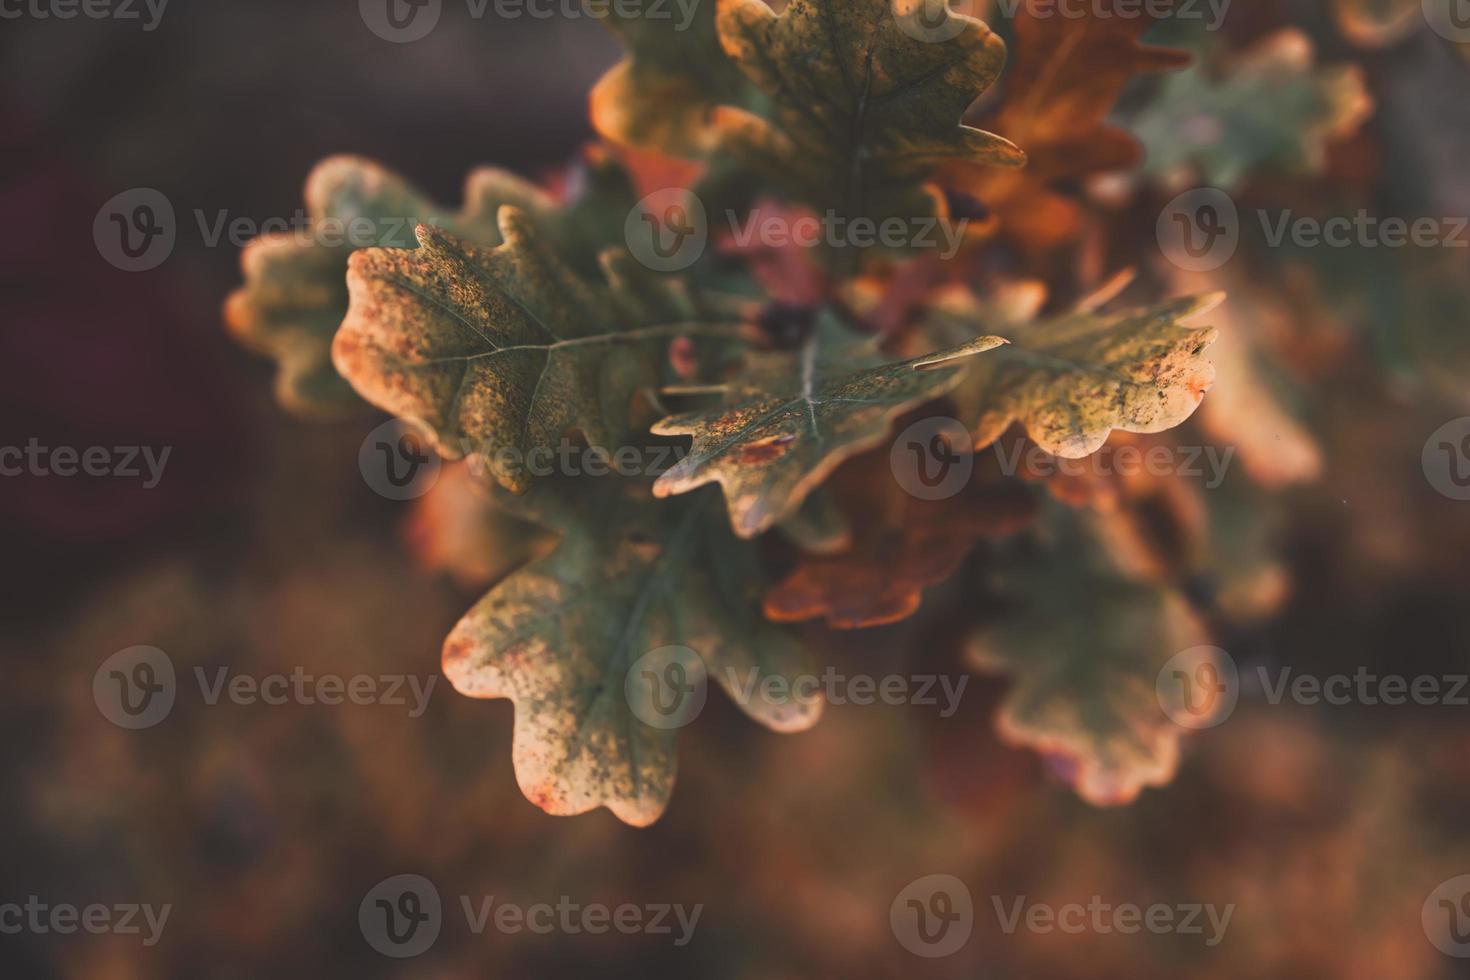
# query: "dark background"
(263, 549)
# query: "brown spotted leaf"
(793, 417)
(1073, 379)
(502, 352)
(663, 94)
(295, 292)
(864, 111)
(630, 576)
(1084, 653)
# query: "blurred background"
(263, 550)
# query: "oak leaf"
(502, 352)
(791, 418)
(901, 545)
(662, 96)
(1269, 108)
(1084, 655)
(629, 577)
(295, 292)
(1073, 379)
(1067, 74)
(864, 111)
(458, 528)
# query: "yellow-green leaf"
(793, 417)
(295, 292)
(1084, 653)
(502, 352)
(1073, 379)
(663, 94)
(865, 108)
(630, 577)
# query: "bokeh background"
(263, 550)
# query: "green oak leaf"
(1084, 654)
(866, 96)
(631, 577)
(295, 292)
(500, 353)
(791, 418)
(1270, 109)
(1073, 379)
(663, 94)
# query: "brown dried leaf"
(901, 546)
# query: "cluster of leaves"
(522, 320)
